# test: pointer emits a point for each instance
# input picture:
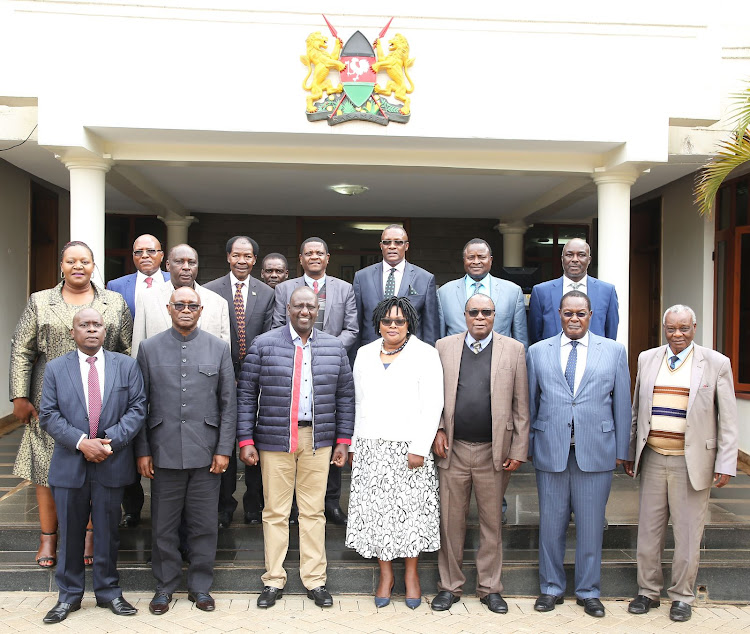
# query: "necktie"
(315, 286)
(477, 347)
(149, 281)
(673, 361)
(95, 398)
(477, 286)
(239, 312)
(576, 285)
(390, 285)
(570, 368)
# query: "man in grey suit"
(250, 304)
(684, 438)
(579, 402)
(394, 276)
(510, 310)
(185, 446)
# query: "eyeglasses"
(474, 312)
(398, 243)
(180, 306)
(140, 252)
(388, 322)
(568, 314)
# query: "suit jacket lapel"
(74, 370)
(252, 298)
(130, 288)
(227, 293)
(592, 360)
(111, 364)
(696, 375)
(454, 367)
(330, 290)
(164, 295)
(377, 280)
(497, 352)
(650, 372)
(406, 280)
(554, 361)
(461, 295)
(495, 290)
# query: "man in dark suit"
(93, 405)
(337, 315)
(250, 305)
(274, 270)
(185, 446)
(544, 317)
(394, 276)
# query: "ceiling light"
(349, 190)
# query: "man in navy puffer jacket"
(295, 401)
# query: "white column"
(177, 229)
(87, 204)
(613, 248)
(512, 233)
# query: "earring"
(62, 275)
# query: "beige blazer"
(509, 397)
(711, 433)
(151, 316)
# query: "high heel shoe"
(88, 560)
(381, 602)
(47, 561)
(413, 603)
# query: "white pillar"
(177, 229)
(87, 204)
(613, 243)
(512, 233)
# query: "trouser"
(252, 500)
(305, 471)
(133, 498)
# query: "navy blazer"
(544, 306)
(125, 285)
(64, 416)
(417, 285)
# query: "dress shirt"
(583, 285)
(85, 368)
(305, 411)
(484, 286)
(681, 356)
(397, 275)
(483, 343)
(234, 282)
(140, 282)
(309, 281)
(581, 350)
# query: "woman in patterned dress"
(43, 334)
(394, 508)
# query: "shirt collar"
(565, 340)
(82, 356)
(682, 355)
(399, 267)
(233, 279)
(142, 276)
(309, 281)
(567, 281)
(484, 342)
(295, 336)
(188, 337)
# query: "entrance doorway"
(43, 263)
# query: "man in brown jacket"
(483, 436)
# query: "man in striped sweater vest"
(684, 438)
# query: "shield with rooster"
(358, 78)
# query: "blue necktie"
(673, 361)
(477, 286)
(570, 368)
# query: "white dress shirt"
(244, 289)
(140, 282)
(582, 352)
(85, 367)
(398, 275)
(309, 281)
(582, 285)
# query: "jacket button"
(184, 347)
(184, 389)
(182, 421)
(184, 360)
(184, 375)
(574, 404)
(184, 404)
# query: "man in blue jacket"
(295, 402)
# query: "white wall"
(15, 204)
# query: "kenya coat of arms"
(357, 96)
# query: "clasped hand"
(95, 449)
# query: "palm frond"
(740, 113)
(732, 153)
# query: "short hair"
(275, 256)
(384, 307)
(313, 239)
(576, 294)
(479, 295)
(303, 290)
(395, 226)
(76, 243)
(679, 308)
(188, 288)
(179, 246)
(477, 241)
(253, 243)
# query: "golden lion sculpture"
(396, 64)
(318, 56)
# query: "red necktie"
(95, 398)
(239, 311)
(149, 281)
(315, 286)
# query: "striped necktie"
(239, 312)
(95, 398)
(570, 368)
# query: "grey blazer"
(340, 318)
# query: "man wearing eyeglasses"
(579, 402)
(147, 257)
(394, 276)
(482, 438)
(185, 445)
(684, 439)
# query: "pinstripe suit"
(576, 477)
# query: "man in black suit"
(93, 405)
(274, 270)
(250, 310)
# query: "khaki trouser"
(310, 471)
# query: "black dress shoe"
(321, 596)
(253, 517)
(119, 606)
(160, 603)
(335, 515)
(203, 601)
(495, 603)
(268, 597)
(680, 611)
(592, 606)
(130, 520)
(60, 612)
(641, 605)
(444, 600)
(225, 519)
(547, 602)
